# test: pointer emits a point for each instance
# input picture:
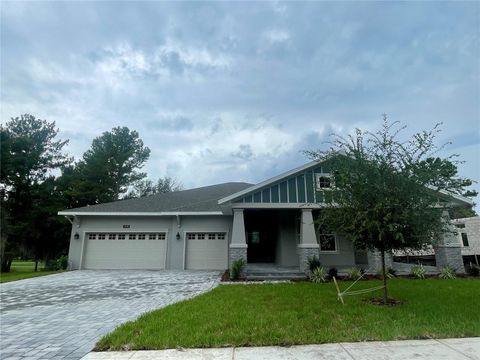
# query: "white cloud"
(276, 36)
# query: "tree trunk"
(384, 278)
(6, 262)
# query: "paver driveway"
(61, 316)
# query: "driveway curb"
(451, 349)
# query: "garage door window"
(203, 236)
(123, 236)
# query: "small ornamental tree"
(390, 194)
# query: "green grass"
(24, 269)
(304, 313)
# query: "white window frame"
(318, 176)
(319, 234)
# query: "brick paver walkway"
(62, 316)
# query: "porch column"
(308, 246)
(238, 245)
(449, 251)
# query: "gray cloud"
(235, 91)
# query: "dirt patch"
(379, 301)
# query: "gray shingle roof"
(198, 199)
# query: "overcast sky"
(234, 91)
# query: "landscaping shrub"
(418, 272)
(237, 268)
(313, 263)
(391, 273)
(332, 272)
(62, 262)
(473, 270)
(447, 272)
(318, 275)
(51, 265)
(354, 273)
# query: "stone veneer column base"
(451, 256)
(305, 253)
(237, 252)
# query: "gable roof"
(456, 198)
(272, 180)
(198, 200)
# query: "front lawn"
(305, 313)
(24, 269)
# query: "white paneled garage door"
(125, 250)
(206, 251)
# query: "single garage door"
(125, 250)
(206, 251)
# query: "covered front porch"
(282, 241)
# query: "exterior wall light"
(178, 237)
(76, 236)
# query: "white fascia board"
(460, 198)
(268, 182)
(116, 213)
(282, 206)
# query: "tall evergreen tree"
(29, 152)
(106, 170)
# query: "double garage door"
(125, 251)
(203, 250)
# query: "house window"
(101, 236)
(132, 236)
(152, 236)
(112, 236)
(324, 182)
(191, 236)
(201, 236)
(465, 239)
(161, 236)
(92, 236)
(121, 236)
(221, 236)
(211, 236)
(326, 239)
(141, 236)
(460, 226)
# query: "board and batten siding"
(298, 188)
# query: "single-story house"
(209, 227)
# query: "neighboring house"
(209, 227)
(469, 238)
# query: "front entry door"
(261, 236)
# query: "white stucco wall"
(175, 248)
(472, 229)
(286, 250)
(343, 257)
